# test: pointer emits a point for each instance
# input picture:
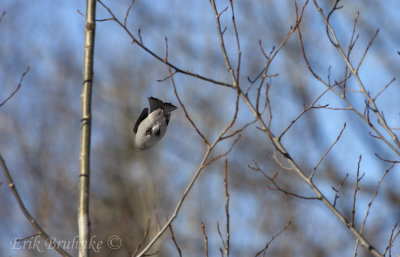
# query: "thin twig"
(203, 229)
(264, 250)
(327, 151)
(366, 50)
(18, 86)
(239, 130)
(311, 106)
(274, 52)
(174, 240)
(2, 15)
(277, 187)
(221, 237)
(239, 58)
(171, 76)
(223, 154)
(338, 190)
(145, 235)
(27, 237)
(157, 219)
(356, 189)
(391, 240)
(222, 44)
(385, 160)
(384, 88)
(370, 204)
(127, 11)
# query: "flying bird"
(150, 127)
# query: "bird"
(150, 128)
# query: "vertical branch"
(84, 157)
(203, 229)
(222, 43)
(227, 209)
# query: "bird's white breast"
(154, 119)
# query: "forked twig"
(338, 189)
(277, 187)
(391, 240)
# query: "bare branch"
(18, 86)
(385, 160)
(145, 235)
(338, 189)
(159, 58)
(203, 229)
(222, 44)
(224, 154)
(277, 187)
(27, 214)
(222, 239)
(263, 251)
(127, 12)
(264, 73)
(366, 50)
(185, 111)
(239, 58)
(384, 88)
(240, 130)
(157, 219)
(27, 237)
(327, 151)
(174, 240)
(166, 49)
(311, 106)
(86, 127)
(370, 204)
(227, 209)
(2, 15)
(354, 71)
(391, 240)
(356, 188)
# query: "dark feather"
(157, 103)
(168, 108)
(141, 117)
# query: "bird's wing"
(141, 117)
(155, 104)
